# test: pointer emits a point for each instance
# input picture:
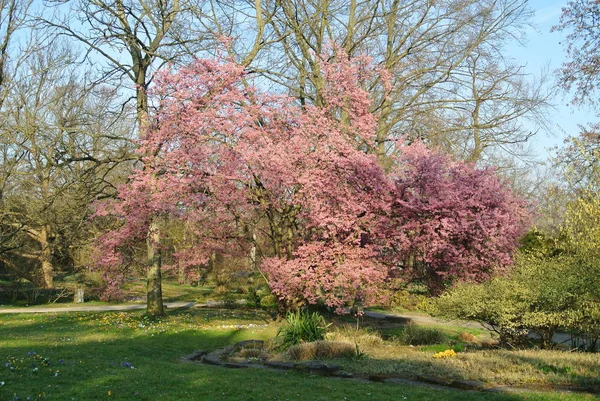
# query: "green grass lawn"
(123, 356)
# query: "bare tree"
(56, 159)
(12, 17)
(450, 83)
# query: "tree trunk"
(154, 301)
(45, 259)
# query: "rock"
(433, 380)
(249, 344)
(196, 356)
(378, 378)
(280, 365)
(318, 367)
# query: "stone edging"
(217, 358)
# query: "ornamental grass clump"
(416, 335)
(321, 350)
(363, 336)
(301, 327)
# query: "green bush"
(268, 301)
(543, 293)
(417, 335)
(301, 327)
(407, 300)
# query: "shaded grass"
(93, 355)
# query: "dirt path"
(420, 319)
(558, 338)
(92, 308)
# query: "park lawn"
(124, 356)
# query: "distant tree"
(12, 17)
(57, 156)
(448, 83)
(581, 71)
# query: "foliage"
(301, 327)
(419, 335)
(268, 301)
(452, 221)
(542, 294)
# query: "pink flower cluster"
(233, 162)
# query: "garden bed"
(258, 354)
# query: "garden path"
(91, 308)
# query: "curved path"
(92, 308)
(421, 319)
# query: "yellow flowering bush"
(449, 353)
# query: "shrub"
(268, 301)
(405, 299)
(542, 294)
(416, 335)
(301, 327)
(321, 350)
(467, 337)
(260, 296)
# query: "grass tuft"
(321, 350)
(418, 335)
(365, 337)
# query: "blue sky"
(543, 48)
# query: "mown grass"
(124, 356)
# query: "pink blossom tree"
(231, 159)
(451, 221)
(234, 162)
